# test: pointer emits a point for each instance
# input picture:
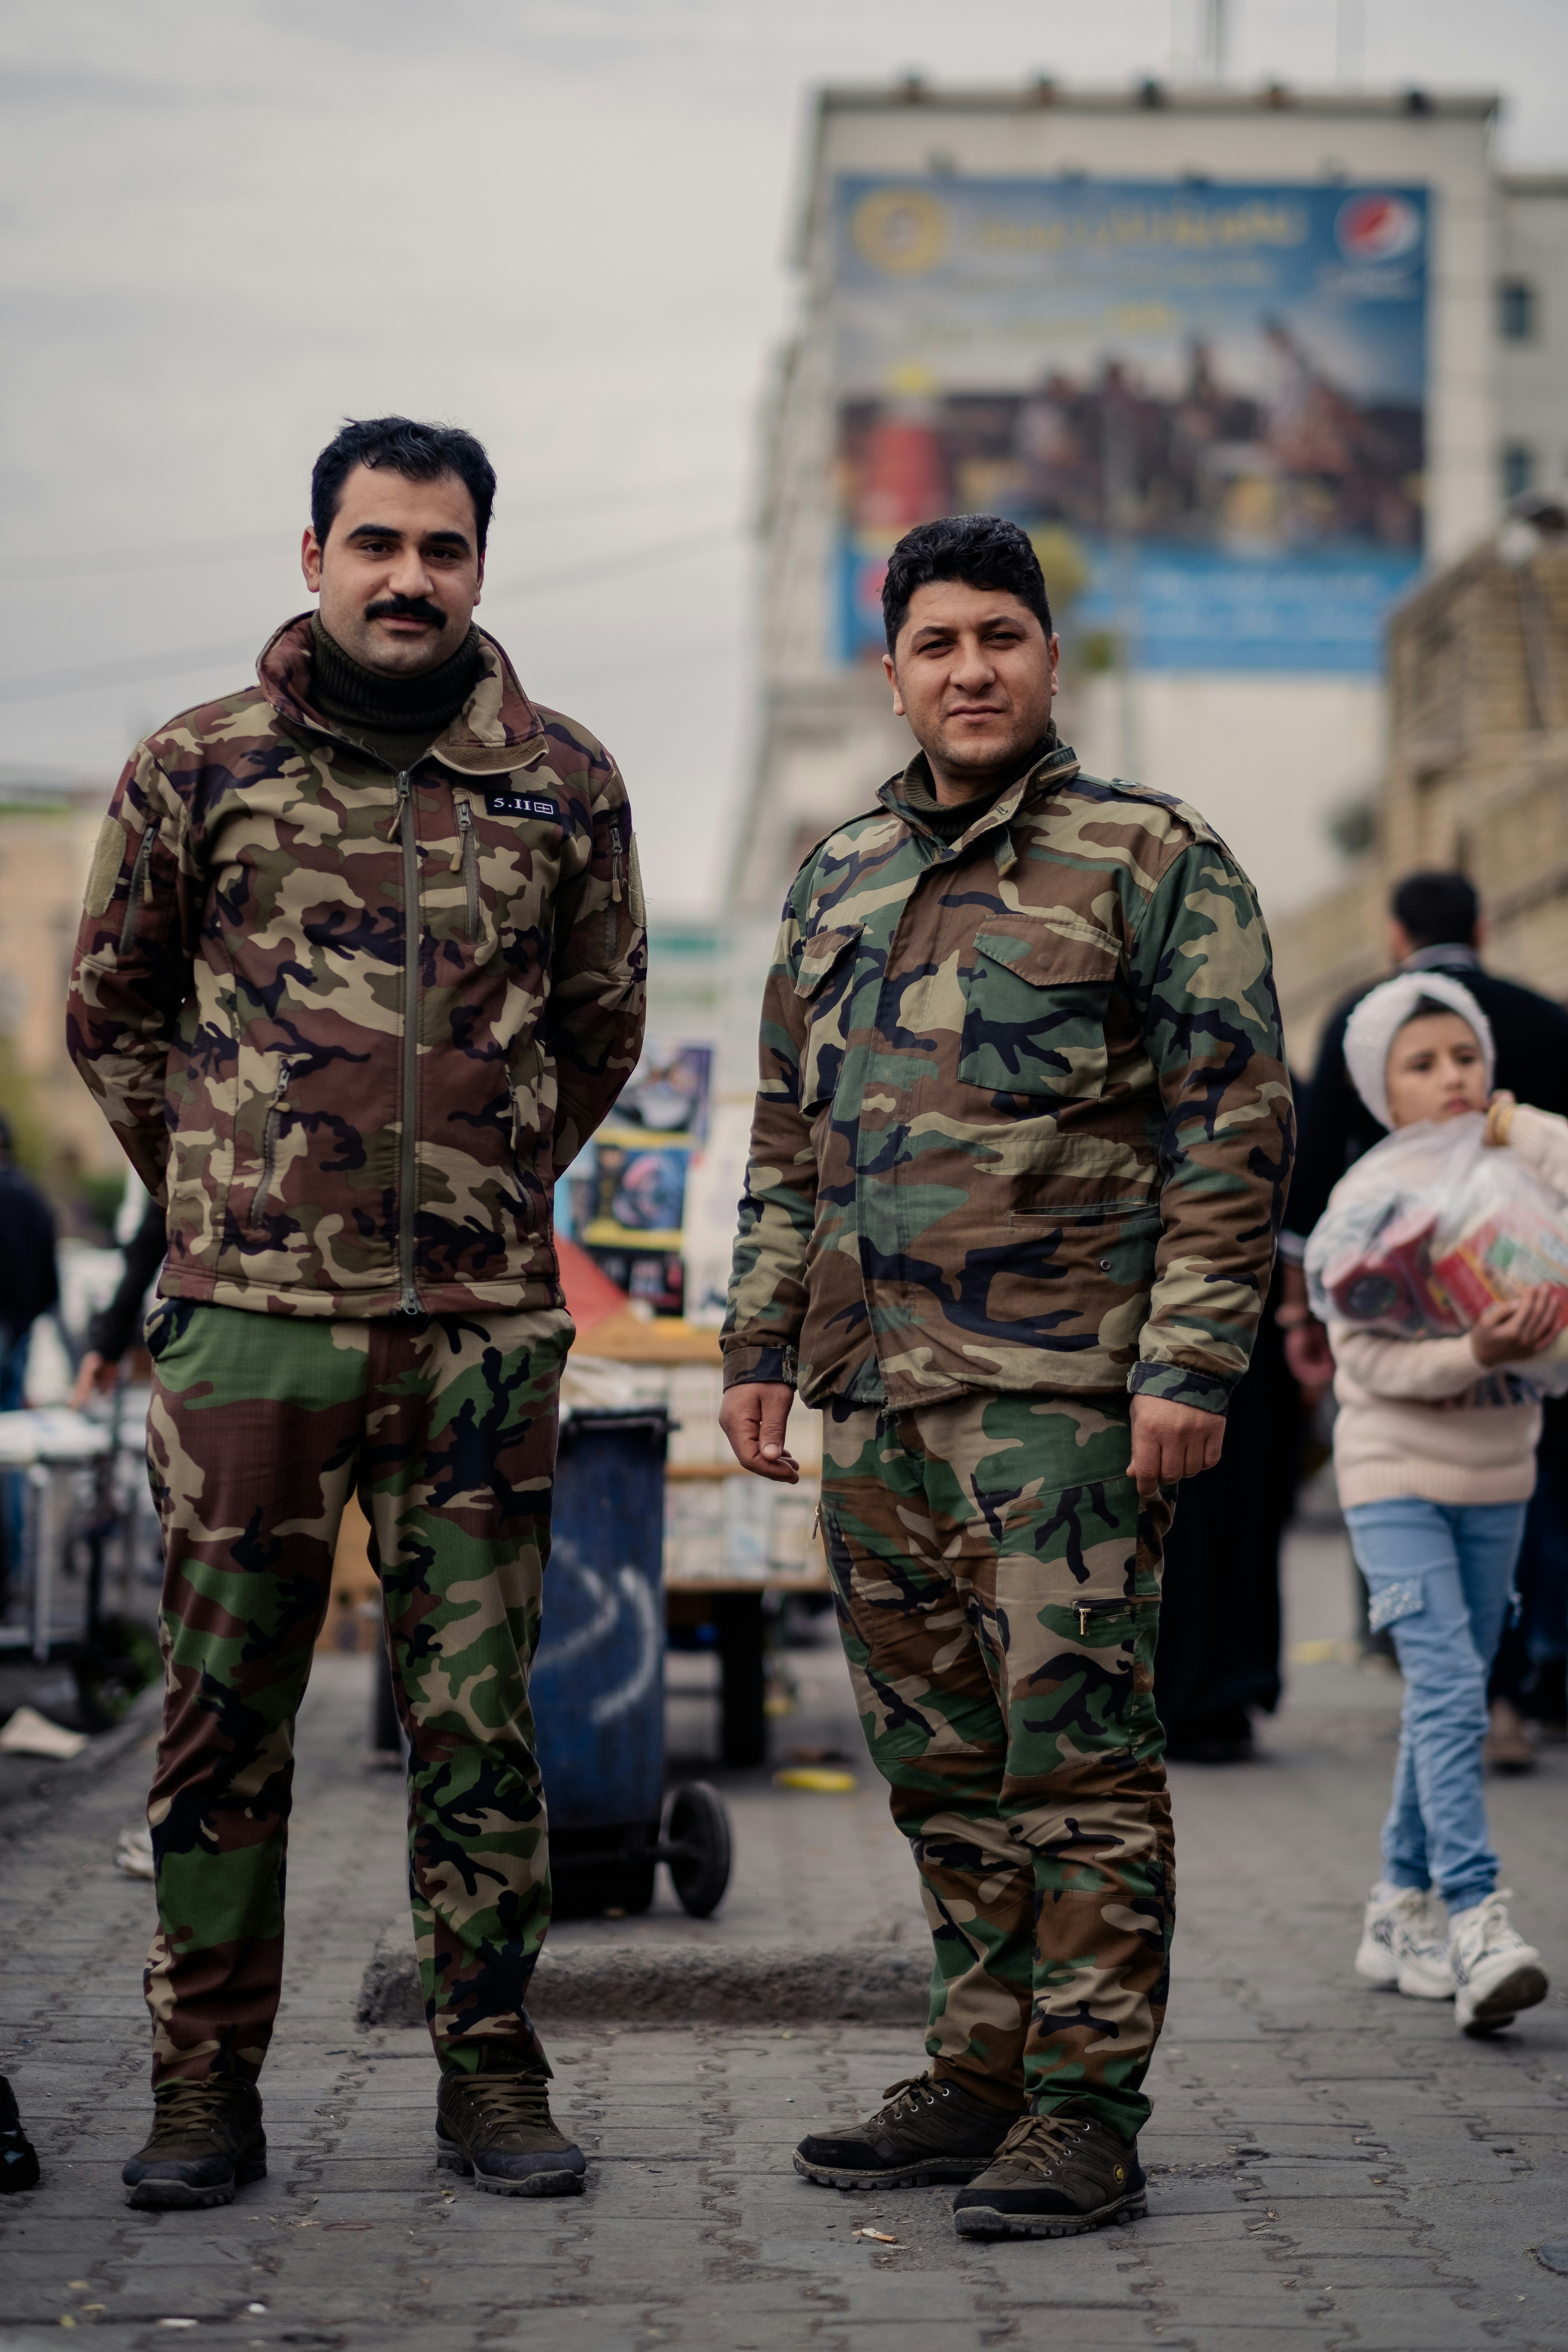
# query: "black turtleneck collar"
(364, 701)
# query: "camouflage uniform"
(349, 1027)
(1021, 1147)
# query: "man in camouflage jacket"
(361, 969)
(1017, 1166)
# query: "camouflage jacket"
(1024, 1120)
(337, 1126)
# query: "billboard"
(1206, 403)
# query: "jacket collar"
(496, 730)
(1058, 764)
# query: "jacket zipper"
(615, 870)
(270, 1140)
(408, 1152)
(468, 857)
(138, 886)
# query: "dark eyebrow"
(389, 530)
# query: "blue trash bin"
(597, 1683)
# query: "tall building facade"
(1247, 367)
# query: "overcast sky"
(563, 223)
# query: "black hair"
(1432, 1008)
(982, 551)
(420, 453)
(1436, 910)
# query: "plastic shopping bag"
(1430, 1229)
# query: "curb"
(653, 1984)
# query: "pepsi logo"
(1377, 228)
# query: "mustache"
(405, 608)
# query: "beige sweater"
(1421, 1416)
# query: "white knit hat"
(1379, 1017)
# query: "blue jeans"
(1440, 1577)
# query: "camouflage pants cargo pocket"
(260, 1427)
(998, 1584)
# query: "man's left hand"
(1171, 1441)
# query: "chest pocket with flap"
(826, 979)
(1035, 1002)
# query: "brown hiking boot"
(207, 2142)
(929, 2130)
(498, 2125)
(1053, 2175)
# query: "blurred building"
(1247, 366)
(49, 823)
(1477, 779)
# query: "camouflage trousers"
(997, 1585)
(260, 1426)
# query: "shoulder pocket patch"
(107, 857)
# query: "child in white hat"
(1434, 1455)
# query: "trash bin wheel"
(696, 1823)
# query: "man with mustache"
(359, 972)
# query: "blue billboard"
(1204, 403)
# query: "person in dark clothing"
(1218, 1654)
(29, 1287)
(116, 1329)
(1436, 926)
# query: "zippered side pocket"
(138, 884)
(1085, 1612)
(467, 859)
(617, 870)
(270, 1140)
(530, 1217)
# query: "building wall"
(1270, 758)
(1477, 779)
(1532, 370)
(45, 854)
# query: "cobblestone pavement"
(1329, 2166)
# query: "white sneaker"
(1495, 1972)
(1403, 1943)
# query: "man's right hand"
(753, 1418)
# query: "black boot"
(1053, 2175)
(497, 2126)
(930, 2130)
(207, 2142)
(18, 2157)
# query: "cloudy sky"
(228, 224)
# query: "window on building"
(1517, 469)
(1516, 310)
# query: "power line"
(246, 551)
(133, 668)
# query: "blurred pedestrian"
(1435, 1456)
(29, 1287)
(1018, 1162)
(359, 970)
(1435, 925)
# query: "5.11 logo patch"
(505, 803)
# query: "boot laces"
(184, 2106)
(1041, 2141)
(510, 2100)
(907, 2098)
